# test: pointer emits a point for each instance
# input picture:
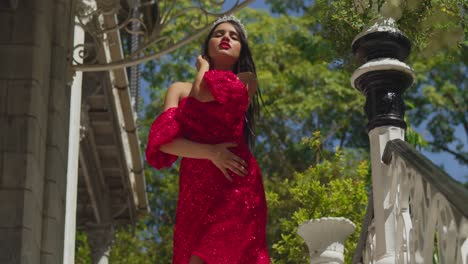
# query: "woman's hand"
(246, 77)
(225, 160)
(202, 63)
(250, 81)
(202, 67)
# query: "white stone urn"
(325, 238)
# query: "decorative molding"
(382, 39)
(383, 64)
(383, 81)
(384, 77)
(381, 25)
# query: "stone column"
(100, 237)
(382, 79)
(73, 156)
(34, 109)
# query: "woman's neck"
(224, 67)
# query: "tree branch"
(457, 155)
(460, 109)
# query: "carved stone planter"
(325, 238)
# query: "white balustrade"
(429, 228)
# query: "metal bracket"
(151, 22)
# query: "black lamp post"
(382, 79)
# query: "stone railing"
(430, 210)
(416, 208)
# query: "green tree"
(437, 30)
(303, 91)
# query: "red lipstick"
(224, 45)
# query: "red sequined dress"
(220, 221)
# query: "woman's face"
(224, 45)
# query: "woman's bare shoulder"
(175, 93)
(181, 89)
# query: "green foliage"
(334, 187)
(82, 250)
(137, 248)
(432, 25)
(414, 138)
(439, 98)
(302, 91)
(150, 241)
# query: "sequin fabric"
(220, 221)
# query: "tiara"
(229, 18)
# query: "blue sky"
(448, 162)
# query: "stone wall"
(35, 40)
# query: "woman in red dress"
(221, 210)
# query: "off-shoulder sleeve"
(163, 130)
(226, 87)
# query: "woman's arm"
(175, 92)
(219, 154)
(187, 149)
(199, 90)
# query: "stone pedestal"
(325, 238)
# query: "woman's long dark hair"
(245, 63)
